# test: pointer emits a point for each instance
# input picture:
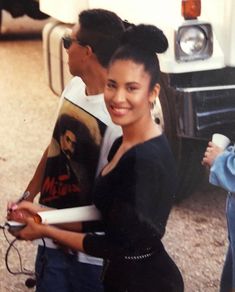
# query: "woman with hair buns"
(135, 190)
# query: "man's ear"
(89, 50)
(154, 93)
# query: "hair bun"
(146, 37)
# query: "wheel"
(15, 8)
(188, 153)
(33, 11)
(19, 8)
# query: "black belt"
(138, 257)
(127, 258)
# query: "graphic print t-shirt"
(73, 153)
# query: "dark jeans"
(61, 272)
(228, 273)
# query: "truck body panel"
(166, 15)
(197, 96)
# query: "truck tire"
(188, 153)
(19, 8)
(33, 11)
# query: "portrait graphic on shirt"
(72, 158)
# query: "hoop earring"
(151, 104)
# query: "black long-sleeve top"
(135, 199)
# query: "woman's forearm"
(32, 231)
(73, 240)
(74, 226)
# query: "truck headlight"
(193, 42)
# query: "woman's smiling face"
(127, 94)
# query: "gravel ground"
(196, 231)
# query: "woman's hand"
(26, 205)
(18, 212)
(32, 230)
(211, 153)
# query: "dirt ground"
(196, 231)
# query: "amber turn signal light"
(191, 9)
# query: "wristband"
(24, 196)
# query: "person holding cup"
(220, 157)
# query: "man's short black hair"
(102, 30)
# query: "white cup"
(220, 140)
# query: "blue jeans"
(61, 272)
(228, 274)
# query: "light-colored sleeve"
(111, 134)
(222, 172)
(63, 94)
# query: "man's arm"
(34, 185)
(222, 171)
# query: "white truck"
(198, 70)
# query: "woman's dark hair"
(140, 44)
(101, 30)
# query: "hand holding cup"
(220, 140)
(215, 147)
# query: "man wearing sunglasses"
(89, 47)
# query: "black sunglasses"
(67, 42)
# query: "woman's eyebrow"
(132, 83)
(111, 80)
